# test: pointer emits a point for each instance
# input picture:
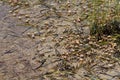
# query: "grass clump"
(105, 18)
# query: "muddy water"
(21, 55)
(16, 49)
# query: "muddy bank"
(36, 43)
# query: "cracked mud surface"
(29, 52)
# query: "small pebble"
(27, 16)
(77, 41)
(16, 11)
(10, 11)
(110, 65)
(81, 55)
(81, 59)
(27, 21)
(26, 4)
(109, 36)
(10, 1)
(14, 14)
(33, 36)
(19, 17)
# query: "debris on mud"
(59, 40)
